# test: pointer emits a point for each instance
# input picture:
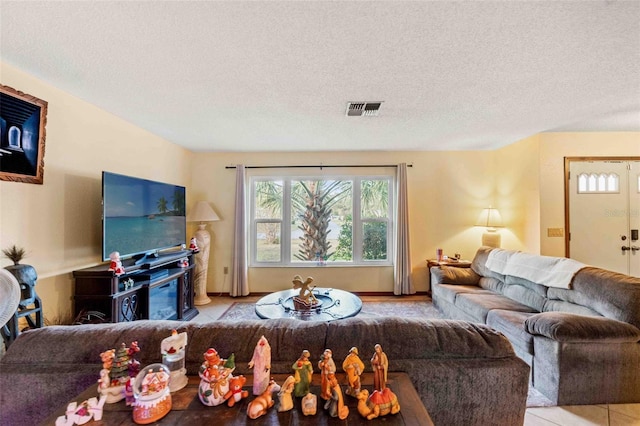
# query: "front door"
(604, 213)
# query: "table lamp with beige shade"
(202, 212)
(490, 219)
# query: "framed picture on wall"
(22, 134)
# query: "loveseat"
(465, 374)
(578, 327)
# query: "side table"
(449, 262)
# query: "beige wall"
(447, 191)
(553, 148)
(517, 190)
(58, 223)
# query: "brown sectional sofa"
(465, 374)
(582, 343)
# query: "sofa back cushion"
(573, 308)
(490, 283)
(413, 338)
(84, 343)
(608, 293)
(54, 346)
(524, 295)
(594, 291)
(479, 264)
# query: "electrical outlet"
(226, 270)
(555, 232)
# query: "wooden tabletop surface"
(187, 408)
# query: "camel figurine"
(380, 403)
(259, 406)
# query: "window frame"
(286, 242)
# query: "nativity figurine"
(284, 395)
(327, 367)
(353, 366)
(303, 374)
(261, 404)
(380, 365)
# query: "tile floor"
(573, 415)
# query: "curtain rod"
(320, 166)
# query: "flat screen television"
(140, 217)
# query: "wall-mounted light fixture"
(490, 219)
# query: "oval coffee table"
(333, 304)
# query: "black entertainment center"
(144, 228)
(162, 288)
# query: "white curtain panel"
(239, 281)
(402, 270)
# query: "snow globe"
(152, 394)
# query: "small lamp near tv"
(490, 219)
(202, 213)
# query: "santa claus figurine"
(262, 362)
(193, 245)
(116, 264)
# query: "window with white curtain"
(321, 220)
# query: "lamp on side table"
(202, 213)
(490, 219)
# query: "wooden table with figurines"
(186, 407)
(319, 392)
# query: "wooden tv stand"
(157, 289)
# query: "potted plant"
(25, 274)
(14, 253)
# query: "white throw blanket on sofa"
(545, 270)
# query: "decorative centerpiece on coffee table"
(326, 304)
(306, 300)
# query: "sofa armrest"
(453, 275)
(565, 327)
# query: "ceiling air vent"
(362, 109)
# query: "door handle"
(625, 248)
(635, 248)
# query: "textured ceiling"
(258, 76)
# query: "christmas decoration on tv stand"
(116, 264)
(118, 368)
